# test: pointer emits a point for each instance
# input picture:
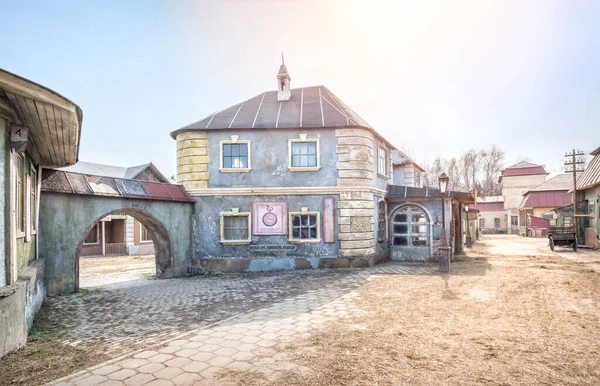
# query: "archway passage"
(150, 230)
(71, 204)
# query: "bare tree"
(474, 168)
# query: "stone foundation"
(264, 264)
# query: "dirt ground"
(102, 271)
(511, 312)
(523, 318)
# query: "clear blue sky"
(435, 78)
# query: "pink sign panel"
(328, 220)
(270, 218)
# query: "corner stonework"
(192, 159)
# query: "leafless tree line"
(475, 167)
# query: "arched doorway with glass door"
(410, 233)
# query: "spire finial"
(282, 61)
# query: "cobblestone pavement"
(248, 340)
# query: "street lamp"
(469, 238)
(444, 248)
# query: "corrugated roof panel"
(311, 108)
(78, 183)
(290, 111)
(591, 174)
(157, 191)
(131, 188)
(103, 186)
(267, 116)
(247, 113)
(179, 193)
(545, 200)
(55, 181)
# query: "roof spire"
(283, 82)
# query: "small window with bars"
(305, 227)
(235, 228)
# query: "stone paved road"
(248, 340)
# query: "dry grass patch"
(45, 357)
(484, 324)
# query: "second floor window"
(382, 161)
(304, 154)
(235, 155)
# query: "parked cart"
(562, 236)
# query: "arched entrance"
(410, 233)
(163, 248)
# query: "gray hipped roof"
(310, 107)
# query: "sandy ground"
(511, 312)
(111, 271)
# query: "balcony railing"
(115, 249)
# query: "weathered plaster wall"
(65, 218)
(269, 159)
(207, 228)
(18, 304)
(25, 252)
(4, 204)
(489, 219)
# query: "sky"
(435, 78)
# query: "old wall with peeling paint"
(269, 159)
(65, 218)
(4, 204)
(207, 228)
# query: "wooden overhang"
(53, 121)
(407, 192)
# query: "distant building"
(500, 214)
(118, 234)
(406, 172)
(539, 203)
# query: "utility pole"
(574, 163)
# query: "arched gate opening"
(152, 229)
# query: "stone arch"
(163, 245)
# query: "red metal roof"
(545, 200)
(58, 181)
(524, 171)
(488, 206)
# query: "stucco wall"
(269, 159)
(207, 227)
(489, 219)
(513, 188)
(64, 219)
(4, 203)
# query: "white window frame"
(234, 141)
(20, 197)
(97, 226)
(33, 194)
(385, 173)
(142, 240)
(303, 212)
(304, 138)
(235, 213)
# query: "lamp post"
(469, 238)
(444, 248)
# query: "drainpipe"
(103, 235)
